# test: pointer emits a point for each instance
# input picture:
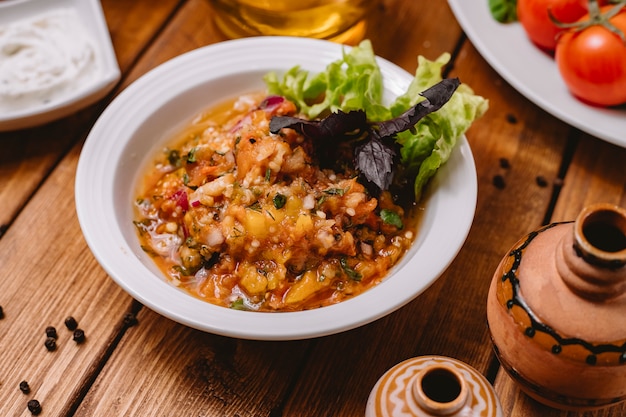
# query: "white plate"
(92, 18)
(146, 113)
(534, 73)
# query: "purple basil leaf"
(375, 160)
(436, 96)
(335, 126)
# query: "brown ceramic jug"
(556, 311)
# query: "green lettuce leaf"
(355, 82)
(504, 11)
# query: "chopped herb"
(335, 191)
(71, 323)
(351, 273)
(238, 304)
(269, 213)
(191, 156)
(268, 175)
(173, 157)
(183, 271)
(392, 218)
(256, 206)
(149, 251)
(279, 201)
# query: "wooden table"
(158, 367)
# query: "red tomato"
(533, 15)
(592, 62)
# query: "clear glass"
(338, 20)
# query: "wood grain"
(531, 168)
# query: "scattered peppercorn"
(130, 320)
(71, 323)
(1, 313)
(34, 407)
(79, 336)
(51, 332)
(24, 387)
(498, 181)
(541, 181)
(511, 118)
(51, 344)
(504, 163)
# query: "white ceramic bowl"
(146, 114)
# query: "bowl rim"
(436, 246)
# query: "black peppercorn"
(71, 323)
(34, 407)
(50, 343)
(511, 118)
(24, 387)
(541, 181)
(51, 332)
(498, 181)
(504, 163)
(1, 313)
(130, 319)
(79, 336)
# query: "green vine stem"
(596, 17)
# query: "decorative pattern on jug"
(396, 394)
(610, 353)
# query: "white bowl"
(106, 74)
(146, 114)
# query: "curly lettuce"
(355, 83)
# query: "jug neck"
(592, 259)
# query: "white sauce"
(43, 59)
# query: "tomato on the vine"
(534, 18)
(592, 59)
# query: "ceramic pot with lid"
(556, 311)
(430, 386)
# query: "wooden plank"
(48, 274)
(607, 162)
(28, 155)
(164, 368)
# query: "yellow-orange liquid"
(338, 20)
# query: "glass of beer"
(341, 21)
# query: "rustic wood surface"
(156, 367)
